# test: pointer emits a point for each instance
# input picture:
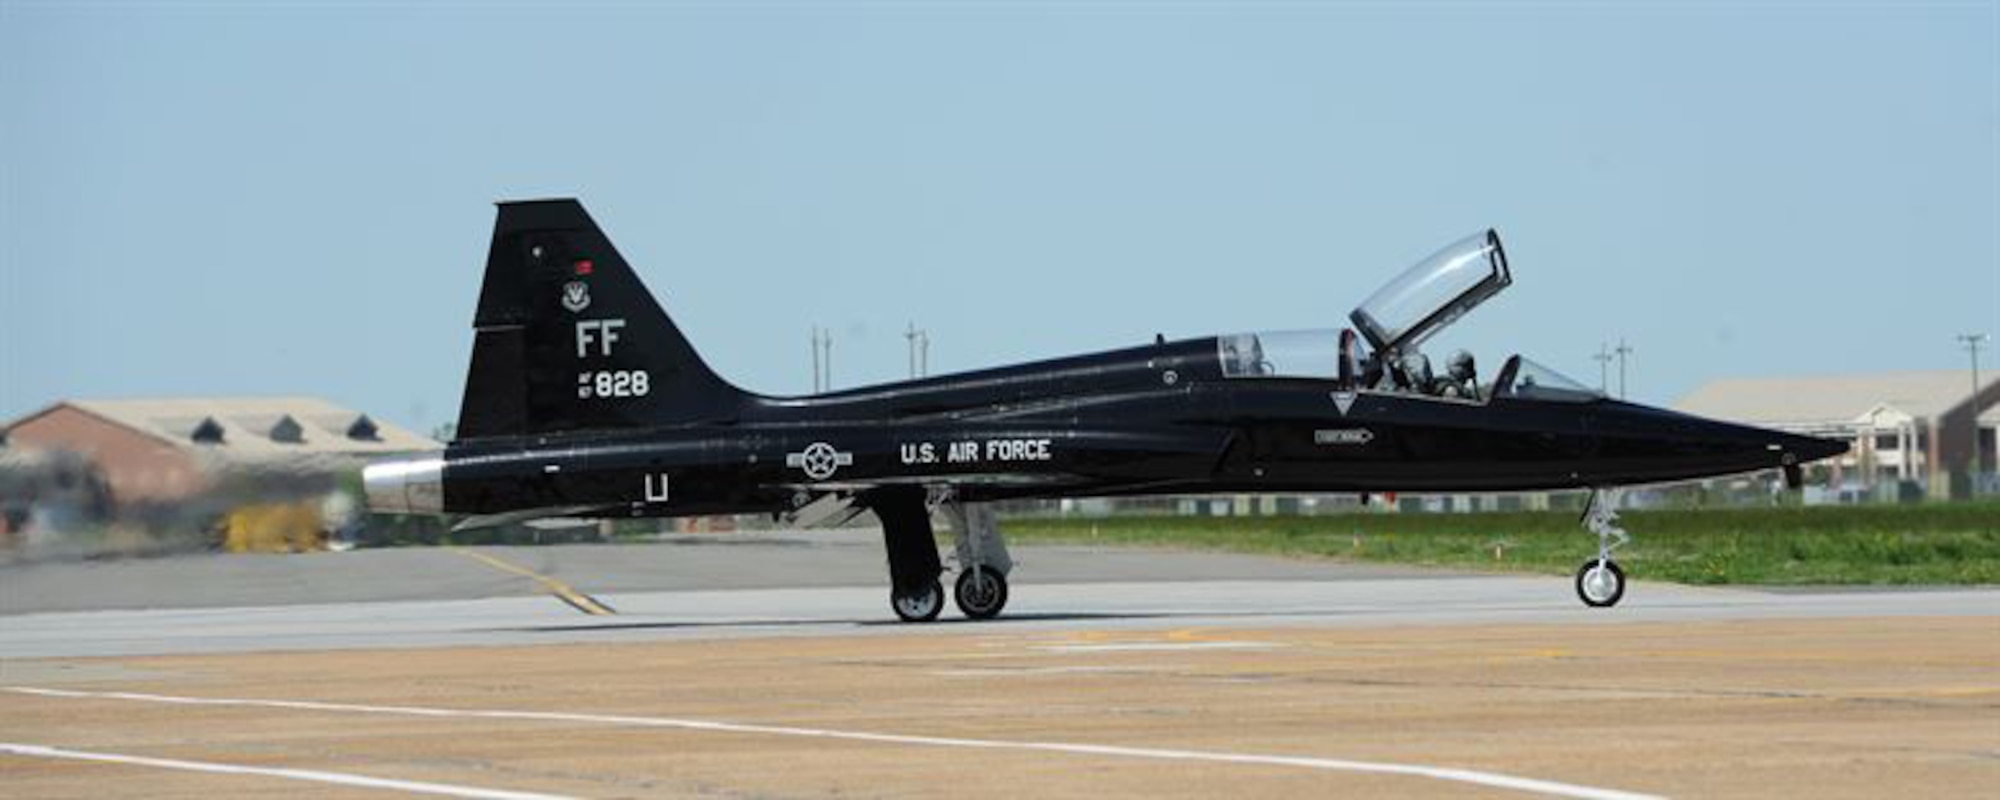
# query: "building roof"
(1832, 400)
(253, 429)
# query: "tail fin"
(569, 339)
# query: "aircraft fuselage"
(584, 399)
(1159, 419)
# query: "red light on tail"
(583, 267)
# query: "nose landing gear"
(1600, 582)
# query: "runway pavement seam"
(1440, 773)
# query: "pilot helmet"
(1461, 366)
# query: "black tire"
(1600, 598)
(981, 593)
(921, 607)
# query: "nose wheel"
(1600, 582)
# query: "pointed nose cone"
(1807, 449)
(1644, 444)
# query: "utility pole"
(822, 344)
(1603, 359)
(1622, 351)
(920, 351)
(1972, 342)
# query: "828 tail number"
(613, 383)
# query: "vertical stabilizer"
(569, 339)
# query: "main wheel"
(920, 607)
(981, 592)
(1600, 583)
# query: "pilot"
(1416, 369)
(1461, 378)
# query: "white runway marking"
(1469, 776)
(316, 776)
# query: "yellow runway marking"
(562, 591)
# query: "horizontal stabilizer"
(538, 517)
(828, 510)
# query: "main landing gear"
(920, 606)
(916, 593)
(1600, 582)
(981, 553)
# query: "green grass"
(1930, 544)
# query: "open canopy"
(1395, 321)
(1431, 295)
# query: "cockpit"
(1383, 351)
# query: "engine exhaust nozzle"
(413, 486)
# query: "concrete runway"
(767, 665)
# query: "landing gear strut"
(981, 553)
(1600, 582)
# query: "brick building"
(163, 450)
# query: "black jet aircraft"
(585, 400)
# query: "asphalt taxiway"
(768, 665)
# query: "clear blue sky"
(229, 197)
